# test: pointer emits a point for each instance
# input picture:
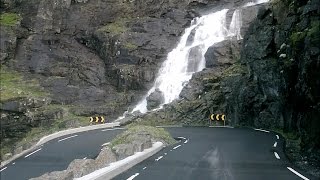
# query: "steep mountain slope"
(273, 84)
(65, 60)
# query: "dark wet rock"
(155, 99)
(24, 104)
(223, 53)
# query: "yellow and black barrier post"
(218, 117)
(97, 119)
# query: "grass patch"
(9, 19)
(297, 38)
(235, 69)
(157, 134)
(117, 27)
(130, 46)
(12, 85)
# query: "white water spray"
(188, 57)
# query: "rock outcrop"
(273, 84)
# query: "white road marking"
(3, 169)
(168, 126)
(186, 141)
(133, 176)
(144, 168)
(105, 144)
(262, 130)
(221, 127)
(67, 138)
(112, 129)
(276, 155)
(277, 136)
(275, 144)
(32, 153)
(13, 163)
(165, 153)
(84, 158)
(160, 157)
(176, 147)
(298, 174)
(181, 137)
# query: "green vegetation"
(9, 19)
(157, 134)
(117, 27)
(130, 46)
(313, 32)
(13, 85)
(235, 69)
(297, 38)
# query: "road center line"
(221, 126)
(277, 136)
(3, 169)
(13, 163)
(133, 176)
(276, 155)
(275, 144)
(160, 157)
(67, 138)
(176, 147)
(32, 153)
(144, 168)
(298, 174)
(262, 130)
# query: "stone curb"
(113, 172)
(59, 134)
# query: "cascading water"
(235, 25)
(188, 57)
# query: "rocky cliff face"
(274, 82)
(92, 57)
(281, 88)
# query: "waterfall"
(235, 25)
(188, 56)
(256, 2)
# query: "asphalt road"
(217, 154)
(56, 154)
(203, 153)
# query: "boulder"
(123, 150)
(155, 99)
(105, 157)
(223, 53)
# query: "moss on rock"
(13, 85)
(157, 134)
(9, 19)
